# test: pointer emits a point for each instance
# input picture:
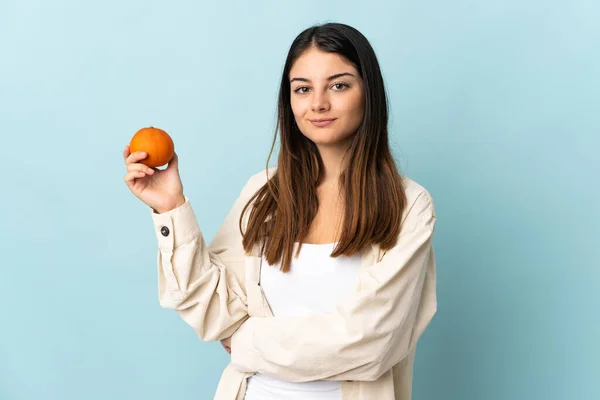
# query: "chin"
(323, 137)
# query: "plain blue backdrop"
(494, 109)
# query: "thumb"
(173, 162)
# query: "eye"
(340, 86)
(300, 90)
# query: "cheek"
(351, 102)
(296, 109)
(358, 104)
(354, 109)
(301, 111)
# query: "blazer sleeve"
(203, 283)
(369, 332)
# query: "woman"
(321, 279)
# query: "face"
(324, 86)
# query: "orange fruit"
(156, 143)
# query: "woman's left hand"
(226, 343)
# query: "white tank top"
(314, 285)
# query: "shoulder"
(260, 178)
(257, 180)
(419, 203)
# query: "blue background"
(494, 109)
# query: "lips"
(322, 122)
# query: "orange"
(156, 143)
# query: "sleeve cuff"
(175, 227)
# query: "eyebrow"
(329, 78)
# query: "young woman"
(321, 279)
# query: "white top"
(313, 285)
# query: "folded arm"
(369, 332)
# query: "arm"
(369, 331)
(202, 283)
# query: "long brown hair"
(283, 209)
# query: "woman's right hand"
(160, 189)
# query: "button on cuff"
(176, 227)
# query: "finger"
(126, 152)
(140, 167)
(136, 156)
(130, 177)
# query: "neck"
(333, 162)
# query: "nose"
(320, 102)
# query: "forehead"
(317, 64)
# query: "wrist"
(180, 202)
(177, 203)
